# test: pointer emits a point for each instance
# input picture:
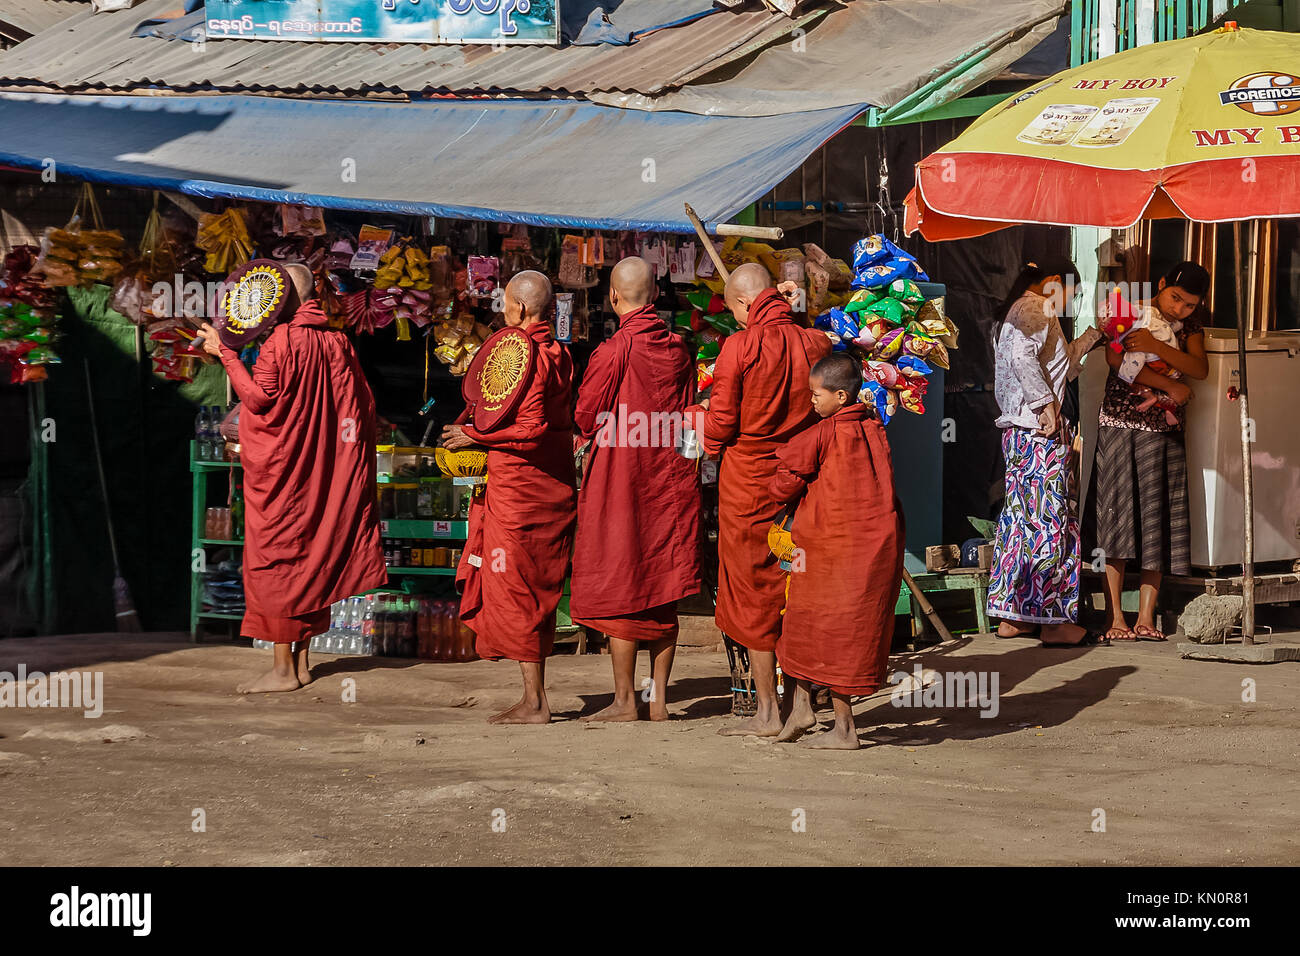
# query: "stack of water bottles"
(397, 625)
(210, 446)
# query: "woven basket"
(466, 463)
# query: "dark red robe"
(760, 401)
(521, 528)
(307, 445)
(637, 550)
(848, 532)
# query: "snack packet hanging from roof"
(861, 299)
(891, 310)
(907, 292)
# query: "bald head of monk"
(632, 285)
(528, 296)
(747, 282)
(304, 283)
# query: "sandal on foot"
(1143, 633)
(1120, 634)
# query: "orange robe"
(521, 528)
(760, 401)
(307, 439)
(638, 541)
(848, 529)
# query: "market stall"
(418, 297)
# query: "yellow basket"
(466, 463)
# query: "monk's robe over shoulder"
(760, 401)
(521, 528)
(839, 616)
(307, 440)
(638, 539)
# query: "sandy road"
(410, 774)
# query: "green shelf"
(423, 528)
(221, 615)
(237, 543)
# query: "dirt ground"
(410, 773)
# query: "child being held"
(847, 561)
(1125, 317)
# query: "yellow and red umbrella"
(1206, 128)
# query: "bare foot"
(756, 726)
(800, 721)
(1063, 634)
(523, 712)
(835, 739)
(1016, 629)
(270, 683)
(658, 712)
(617, 711)
(304, 674)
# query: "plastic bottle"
(201, 427)
(369, 643)
(406, 627)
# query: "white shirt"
(1033, 362)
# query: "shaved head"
(633, 279)
(528, 296)
(304, 283)
(744, 286)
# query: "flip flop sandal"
(1143, 633)
(1120, 634)
(1091, 639)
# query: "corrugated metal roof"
(99, 54)
(25, 18)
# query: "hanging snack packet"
(861, 299)
(483, 276)
(891, 310)
(907, 292)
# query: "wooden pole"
(926, 607)
(1247, 476)
(708, 243)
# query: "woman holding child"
(1034, 582)
(1140, 473)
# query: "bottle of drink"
(406, 640)
(368, 642)
(202, 424)
(236, 506)
(356, 610)
(216, 445)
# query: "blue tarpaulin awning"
(547, 163)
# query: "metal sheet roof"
(549, 163)
(99, 54)
(25, 18)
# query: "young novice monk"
(848, 562)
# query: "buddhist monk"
(848, 559)
(521, 528)
(307, 446)
(637, 550)
(760, 400)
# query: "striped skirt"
(1035, 575)
(1140, 483)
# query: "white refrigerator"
(1214, 450)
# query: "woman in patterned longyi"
(1035, 578)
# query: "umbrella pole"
(1247, 476)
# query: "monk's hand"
(454, 438)
(703, 403)
(210, 338)
(789, 291)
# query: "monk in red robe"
(638, 541)
(521, 528)
(307, 446)
(760, 401)
(848, 558)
